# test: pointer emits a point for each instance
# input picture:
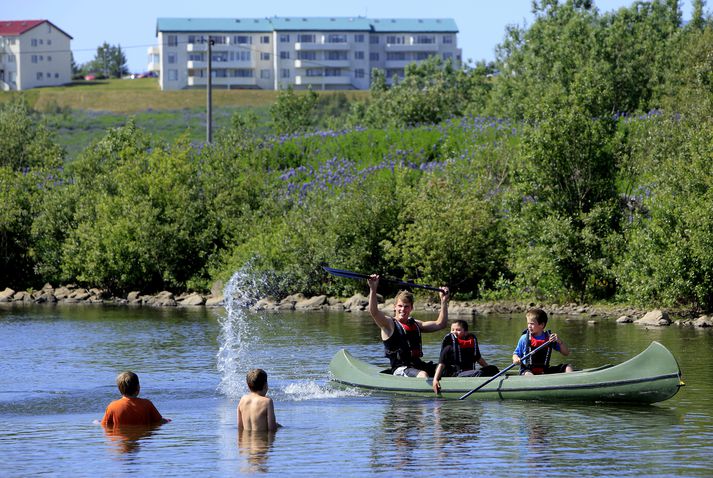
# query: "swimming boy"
(533, 337)
(401, 334)
(459, 354)
(256, 412)
(129, 409)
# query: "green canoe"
(652, 376)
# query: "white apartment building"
(273, 53)
(33, 53)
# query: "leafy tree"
(109, 61)
(292, 112)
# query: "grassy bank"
(141, 95)
(83, 111)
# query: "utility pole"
(209, 97)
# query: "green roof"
(377, 25)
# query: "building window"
(336, 38)
(39, 75)
(172, 75)
(359, 73)
(56, 75)
(424, 40)
(421, 55)
(265, 39)
(285, 73)
(171, 58)
(49, 41)
(219, 39)
(359, 38)
(265, 74)
(447, 56)
(242, 40)
(306, 55)
(243, 73)
(358, 55)
(33, 42)
(374, 40)
(34, 58)
(336, 55)
(195, 39)
(195, 57)
(314, 72)
(373, 56)
(172, 40)
(264, 56)
(305, 38)
(395, 40)
(447, 40)
(395, 56)
(332, 72)
(284, 55)
(49, 57)
(284, 38)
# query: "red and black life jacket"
(539, 361)
(463, 353)
(404, 345)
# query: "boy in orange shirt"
(129, 409)
(256, 412)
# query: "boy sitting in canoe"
(401, 334)
(459, 354)
(130, 410)
(533, 337)
(256, 412)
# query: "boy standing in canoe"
(256, 412)
(459, 354)
(533, 337)
(401, 333)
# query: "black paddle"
(502, 372)
(356, 275)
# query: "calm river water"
(59, 364)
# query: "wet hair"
(256, 379)
(128, 383)
(404, 296)
(462, 323)
(538, 314)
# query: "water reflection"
(404, 423)
(128, 439)
(255, 446)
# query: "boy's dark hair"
(462, 323)
(128, 383)
(538, 314)
(256, 379)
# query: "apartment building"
(274, 53)
(33, 53)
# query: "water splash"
(311, 390)
(236, 339)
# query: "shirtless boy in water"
(256, 411)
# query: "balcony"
(192, 64)
(154, 50)
(196, 47)
(154, 66)
(231, 81)
(322, 80)
(322, 46)
(399, 63)
(427, 47)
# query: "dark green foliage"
(293, 112)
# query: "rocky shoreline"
(70, 294)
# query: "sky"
(131, 24)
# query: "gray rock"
(703, 321)
(193, 300)
(313, 303)
(624, 320)
(6, 295)
(654, 318)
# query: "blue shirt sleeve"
(521, 346)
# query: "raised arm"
(385, 324)
(442, 320)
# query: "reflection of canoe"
(652, 376)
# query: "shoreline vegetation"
(358, 303)
(574, 169)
